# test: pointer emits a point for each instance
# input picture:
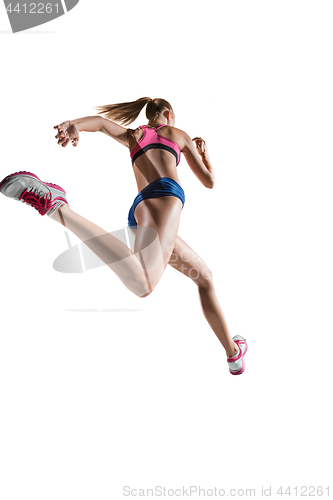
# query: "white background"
(94, 401)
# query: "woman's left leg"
(185, 260)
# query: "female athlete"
(155, 151)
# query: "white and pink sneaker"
(236, 363)
(27, 188)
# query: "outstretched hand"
(67, 132)
(200, 145)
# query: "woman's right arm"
(69, 130)
(198, 160)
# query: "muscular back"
(155, 163)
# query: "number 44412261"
(33, 8)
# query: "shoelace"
(37, 199)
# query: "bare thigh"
(188, 262)
(156, 233)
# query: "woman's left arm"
(114, 130)
(69, 131)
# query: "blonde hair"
(126, 112)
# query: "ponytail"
(126, 112)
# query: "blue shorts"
(164, 186)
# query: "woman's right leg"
(185, 260)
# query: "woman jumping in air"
(154, 217)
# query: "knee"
(141, 289)
(138, 285)
(145, 295)
(205, 278)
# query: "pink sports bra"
(151, 140)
